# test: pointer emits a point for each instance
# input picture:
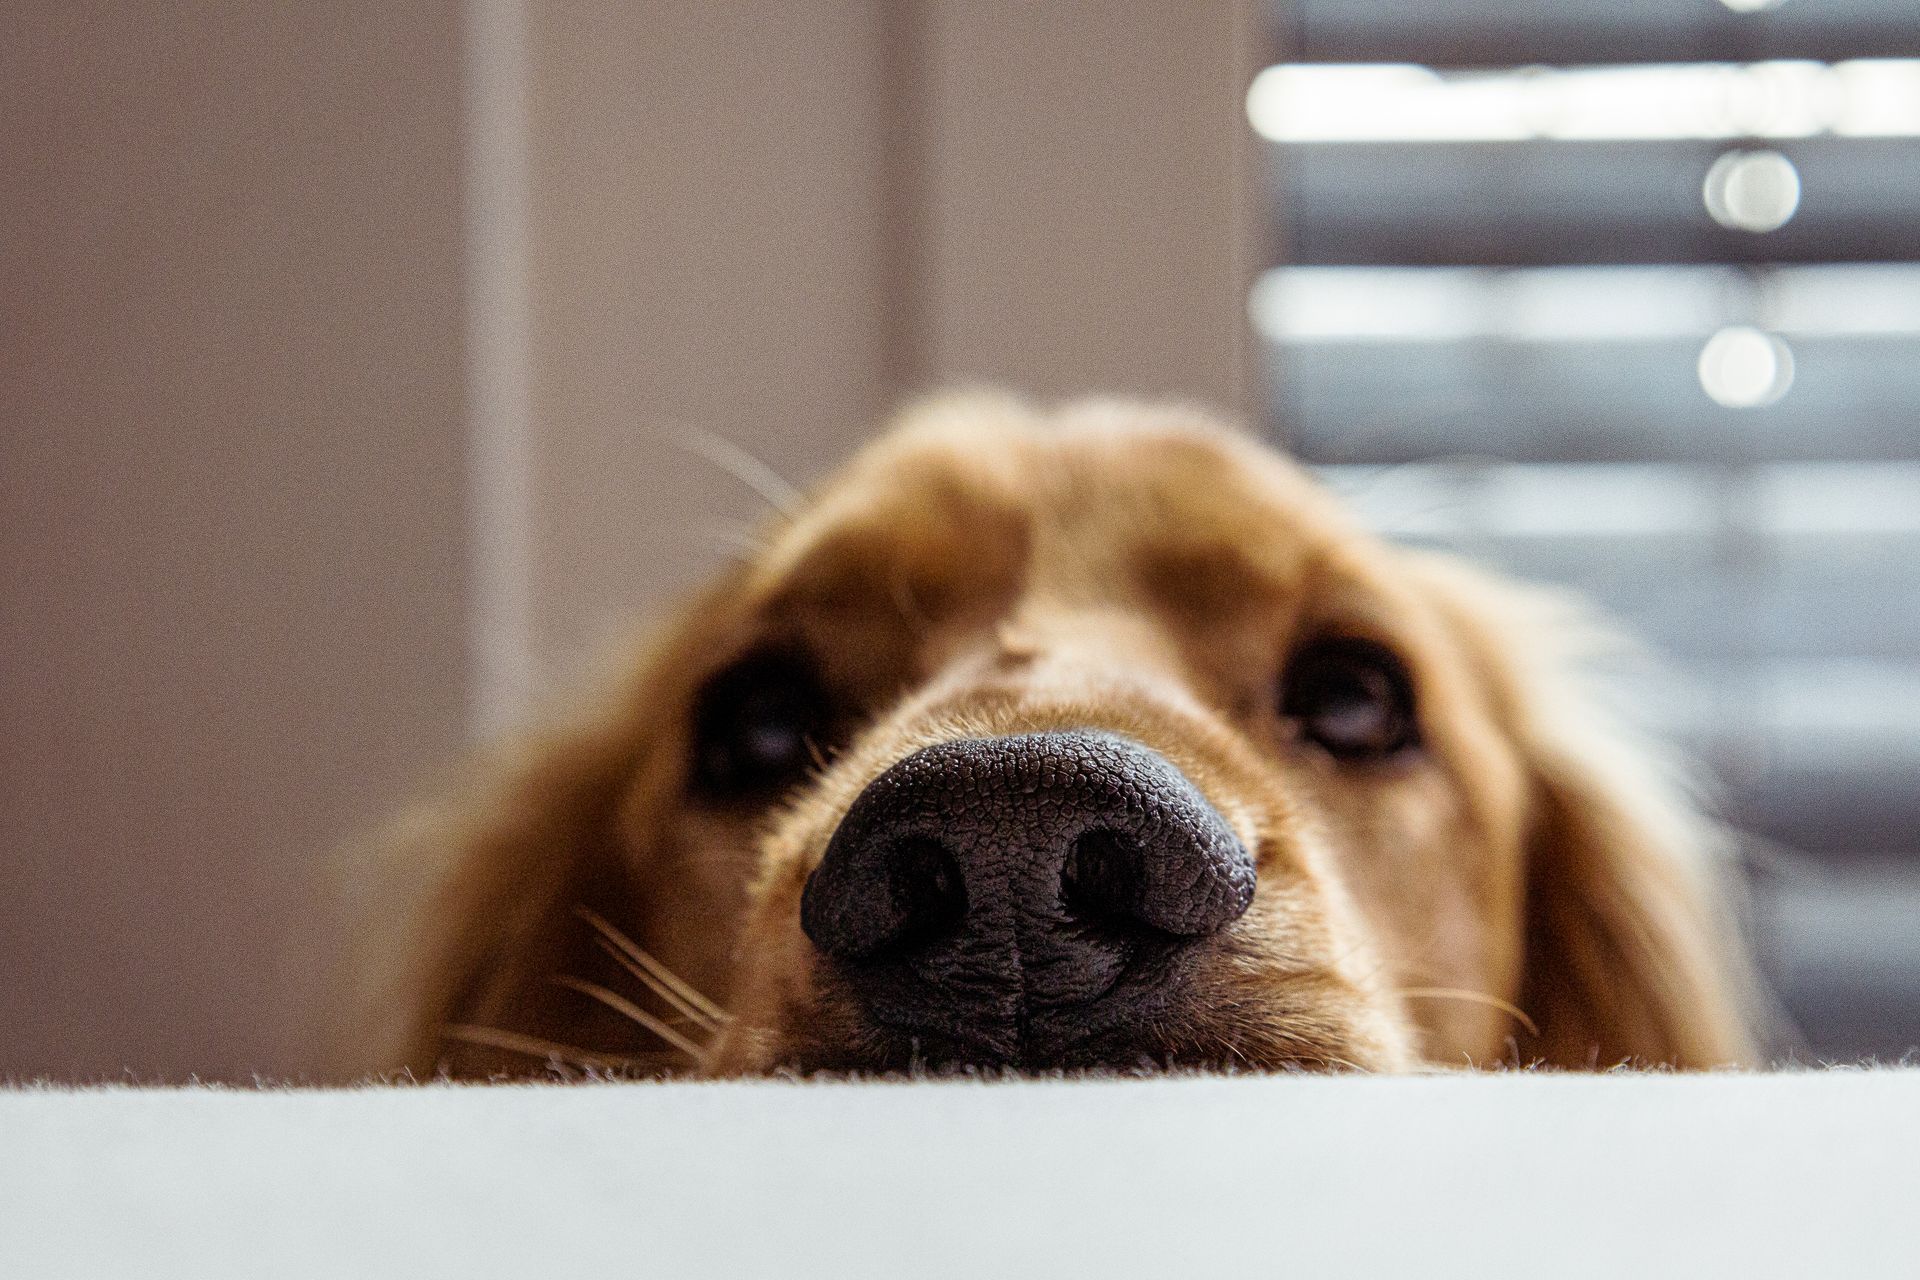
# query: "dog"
(1098, 738)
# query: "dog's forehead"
(1160, 498)
(1077, 494)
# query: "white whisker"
(641, 957)
(1473, 997)
(627, 1008)
(534, 1047)
(687, 1012)
(745, 468)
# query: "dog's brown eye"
(1352, 698)
(757, 725)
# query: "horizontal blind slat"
(1852, 399)
(1539, 203)
(1471, 33)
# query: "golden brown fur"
(1524, 888)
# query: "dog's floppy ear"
(1630, 951)
(1630, 955)
(460, 914)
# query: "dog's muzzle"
(1025, 901)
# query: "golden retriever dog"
(1094, 738)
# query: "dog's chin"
(849, 1043)
(901, 1055)
(1192, 1017)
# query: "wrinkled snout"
(1036, 900)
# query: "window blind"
(1627, 297)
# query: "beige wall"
(337, 387)
(703, 244)
(230, 497)
(1088, 216)
(774, 224)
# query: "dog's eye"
(757, 725)
(1352, 698)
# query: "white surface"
(1762, 1175)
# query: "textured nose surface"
(1010, 895)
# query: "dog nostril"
(1100, 880)
(887, 897)
(929, 898)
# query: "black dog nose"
(1006, 898)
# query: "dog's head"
(1102, 738)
